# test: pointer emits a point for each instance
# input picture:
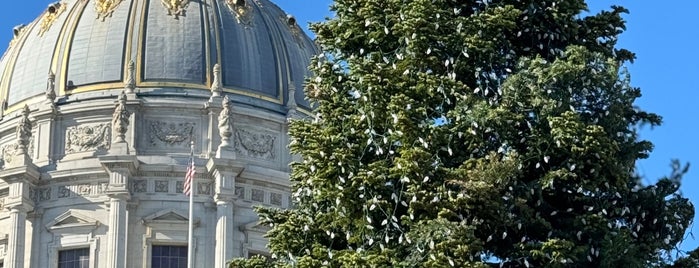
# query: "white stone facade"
(93, 155)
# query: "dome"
(174, 45)
(109, 105)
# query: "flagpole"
(190, 239)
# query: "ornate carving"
(240, 192)
(139, 186)
(24, 130)
(130, 79)
(175, 8)
(225, 126)
(258, 195)
(204, 188)
(63, 192)
(217, 84)
(254, 145)
(275, 199)
(44, 194)
(170, 133)
(243, 11)
(50, 87)
(84, 189)
(179, 187)
(291, 105)
(161, 186)
(105, 8)
(8, 153)
(87, 138)
(52, 12)
(120, 119)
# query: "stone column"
(224, 172)
(120, 169)
(19, 203)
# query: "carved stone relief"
(240, 192)
(275, 199)
(204, 188)
(63, 192)
(44, 194)
(258, 195)
(139, 186)
(9, 151)
(179, 187)
(161, 186)
(170, 133)
(175, 8)
(105, 8)
(84, 189)
(254, 144)
(87, 138)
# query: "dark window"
(169, 257)
(74, 258)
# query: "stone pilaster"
(224, 172)
(120, 169)
(21, 180)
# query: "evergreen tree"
(473, 133)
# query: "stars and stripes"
(189, 177)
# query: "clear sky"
(665, 38)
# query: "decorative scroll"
(170, 133)
(240, 192)
(175, 8)
(50, 16)
(254, 145)
(242, 9)
(105, 8)
(87, 138)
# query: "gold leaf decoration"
(52, 12)
(175, 8)
(105, 8)
(242, 9)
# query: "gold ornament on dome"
(175, 8)
(242, 10)
(52, 12)
(105, 8)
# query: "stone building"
(100, 102)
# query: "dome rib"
(88, 47)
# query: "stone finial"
(51, 87)
(120, 119)
(291, 102)
(225, 128)
(24, 131)
(130, 79)
(217, 84)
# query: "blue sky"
(665, 38)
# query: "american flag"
(188, 178)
